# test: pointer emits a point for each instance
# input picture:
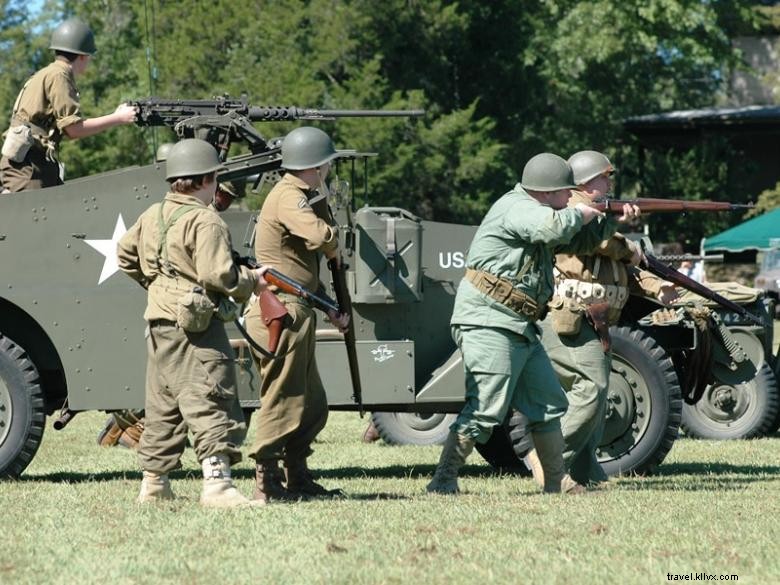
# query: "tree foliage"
(500, 80)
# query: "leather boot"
(218, 489)
(298, 480)
(268, 484)
(155, 487)
(550, 470)
(370, 434)
(456, 449)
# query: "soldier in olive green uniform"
(180, 251)
(508, 282)
(293, 230)
(569, 336)
(48, 108)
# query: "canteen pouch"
(194, 311)
(227, 310)
(18, 141)
(565, 320)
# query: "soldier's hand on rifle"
(588, 213)
(339, 320)
(261, 283)
(630, 212)
(668, 294)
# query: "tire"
(409, 428)
(644, 405)
(743, 411)
(22, 416)
(507, 446)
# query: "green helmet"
(73, 36)
(308, 148)
(162, 151)
(191, 157)
(589, 164)
(547, 172)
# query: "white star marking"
(108, 249)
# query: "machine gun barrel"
(670, 258)
(667, 205)
(154, 111)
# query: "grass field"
(713, 508)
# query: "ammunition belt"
(574, 291)
(503, 291)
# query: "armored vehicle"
(72, 334)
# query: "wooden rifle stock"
(652, 264)
(648, 205)
(345, 303)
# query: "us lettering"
(452, 259)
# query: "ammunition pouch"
(566, 319)
(194, 311)
(503, 291)
(17, 143)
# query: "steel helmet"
(73, 36)
(589, 164)
(547, 172)
(162, 151)
(308, 148)
(191, 157)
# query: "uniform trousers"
(505, 369)
(583, 369)
(293, 403)
(190, 384)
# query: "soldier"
(507, 284)
(48, 108)
(294, 228)
(583, 284)
(180, 251)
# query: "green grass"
(72, 518)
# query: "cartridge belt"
(576, 291)
(503, 291)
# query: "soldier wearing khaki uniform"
(48, 109)
(293, 230)
(580, 359)
(508, 282)
(180, 251)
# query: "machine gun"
(652, 264)
(649, 205)
(223, 120)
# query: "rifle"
(290, 286)
(652, 264)
(648, 205)
(338, 272)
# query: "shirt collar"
(296, 182)
(184, 199)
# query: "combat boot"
(218, 489)
(546, 463)
(456, 449)
(155, 488)
(268, 484)
(298, 480)
(568, 484)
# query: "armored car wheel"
(22, 416)
(741, 411)
(410, 428)
(644, 405)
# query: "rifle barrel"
(650, 205)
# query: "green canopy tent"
(754, 234)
